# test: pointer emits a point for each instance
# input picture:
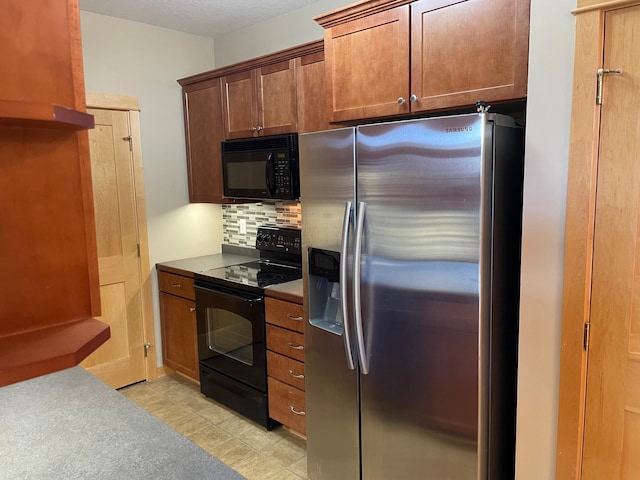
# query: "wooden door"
(489, 41)
(240, 105)
(204, 130)
(311, 93)
(277, 112)
(120, 361)
(367, 62)
(612, 415)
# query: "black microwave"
(261, 168)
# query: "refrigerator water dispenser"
(324, 290)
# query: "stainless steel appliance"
(411, 258)
(231, 323)
(261, 168)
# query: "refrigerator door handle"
(364, 363)
(343, 284)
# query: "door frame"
(129, 104)
(579, 232)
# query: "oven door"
(231, 333)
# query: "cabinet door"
(470, 50)
(277, 112)
(179, 334)
(240, 105)
(311, 93)
(204, 130)
(367, 62)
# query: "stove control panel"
(279, 239)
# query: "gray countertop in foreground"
(69, 425)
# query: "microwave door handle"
(269, 173)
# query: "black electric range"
(280, 261)
(231, 326)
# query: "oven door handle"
(236, 295)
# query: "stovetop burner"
(280, 261)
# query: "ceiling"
(208, 18)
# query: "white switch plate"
(243, 225)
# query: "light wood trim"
(590, 5)
(143, 240)
(280, 56)
(579, 232)
(109, 101)
(357, 10)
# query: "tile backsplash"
(278, 213)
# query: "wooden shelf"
(31, 354)
(34, 114)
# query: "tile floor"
(243, 445)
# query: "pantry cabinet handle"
(295, 347)
(299, 377)
(291, 317)
(295, 412)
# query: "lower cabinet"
(285, 363)
(178, 323)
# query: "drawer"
(285, 369)
(176, 285)
(284, 314)
(287, 405)
(285, 342)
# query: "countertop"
(70, 425)
(289, 291)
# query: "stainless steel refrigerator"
(411, 235)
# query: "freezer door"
(327, 188)
(420, 184)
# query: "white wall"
(140, 60)
(275, 34)
(551, 53)
(547, 147)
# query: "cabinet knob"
(259, 128)
(400, 100)
(413, 98)
(192, 309)
(254, 129)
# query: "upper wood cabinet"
(269, 95)
(311, 93)
(261, 101)
(396, 58)
(204, 130)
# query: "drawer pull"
(192, 309)
(295, 347)
(295, 412)
(176, 285)
(295, 376)
(291, 317)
